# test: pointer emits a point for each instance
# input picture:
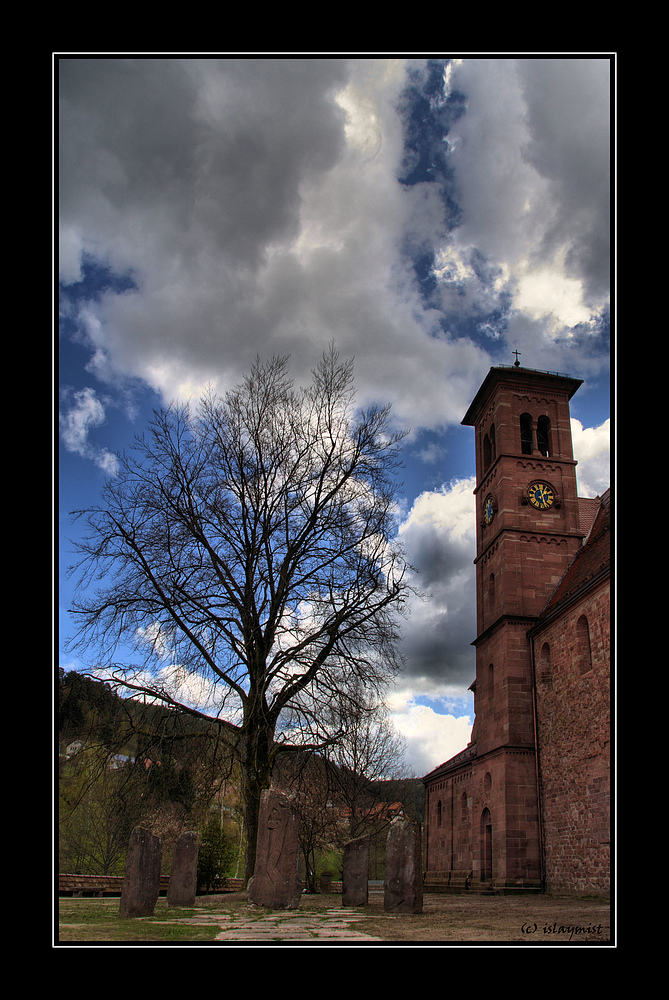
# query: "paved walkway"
(287, 925)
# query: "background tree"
(249, 547)
(307, 777)
(216, 855)
(368, 762)
(93, 830)
(125, 763)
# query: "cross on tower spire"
(516, 363)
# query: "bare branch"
(251, 544)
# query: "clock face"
(488, 509)
(541, 495)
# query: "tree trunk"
(256, 766)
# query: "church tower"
(482, 806)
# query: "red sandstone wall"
(504, 713)
(574, 755)
(448, 846)
(504, 784)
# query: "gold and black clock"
(489, 509)
(541, 495)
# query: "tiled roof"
(593, 558)
(469, 751)
(587, 511)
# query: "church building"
(525, 806)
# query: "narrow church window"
(583, 650)
(491, 679)
(545, 675)
(526, 434)
(486, 845)
(544, 436)
(491, 591)
(439, 813)
(487, 453)
(489, 448)
(463, 801)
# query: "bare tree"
(248, 549)
(369, 753)
(307, 777)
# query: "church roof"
(460, 758)
(588, 508)
(591, 561)
(512, 374)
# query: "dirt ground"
(466, 919)
(533, 920)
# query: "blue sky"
(428, 215)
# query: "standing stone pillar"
(275, 883)
(141, 879)
(355, 875)
(183, 880)
(403, 884)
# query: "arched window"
(489, 448)
(526, 434)
(544, 436)
(583, 650)
(491, 679)
(545, 675)
(486, 845)
(463, 804)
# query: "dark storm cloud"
(255, 206)
(568, 114)
(439, 538)
(211, 150)
(531, 158)
(400, 208)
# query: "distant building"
(526, 804)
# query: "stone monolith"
(355, 873)
(275, 882)
(403, 884)
(141, 879)
(183, 880)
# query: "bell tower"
(527, 510)
(525, 806)
(527, 534)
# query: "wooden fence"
(111, 885)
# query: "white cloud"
(592, 450)
(531, 157)
(85, 414)
(255, 203)
(431, 737)
(547, 293)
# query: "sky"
(430, 216)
